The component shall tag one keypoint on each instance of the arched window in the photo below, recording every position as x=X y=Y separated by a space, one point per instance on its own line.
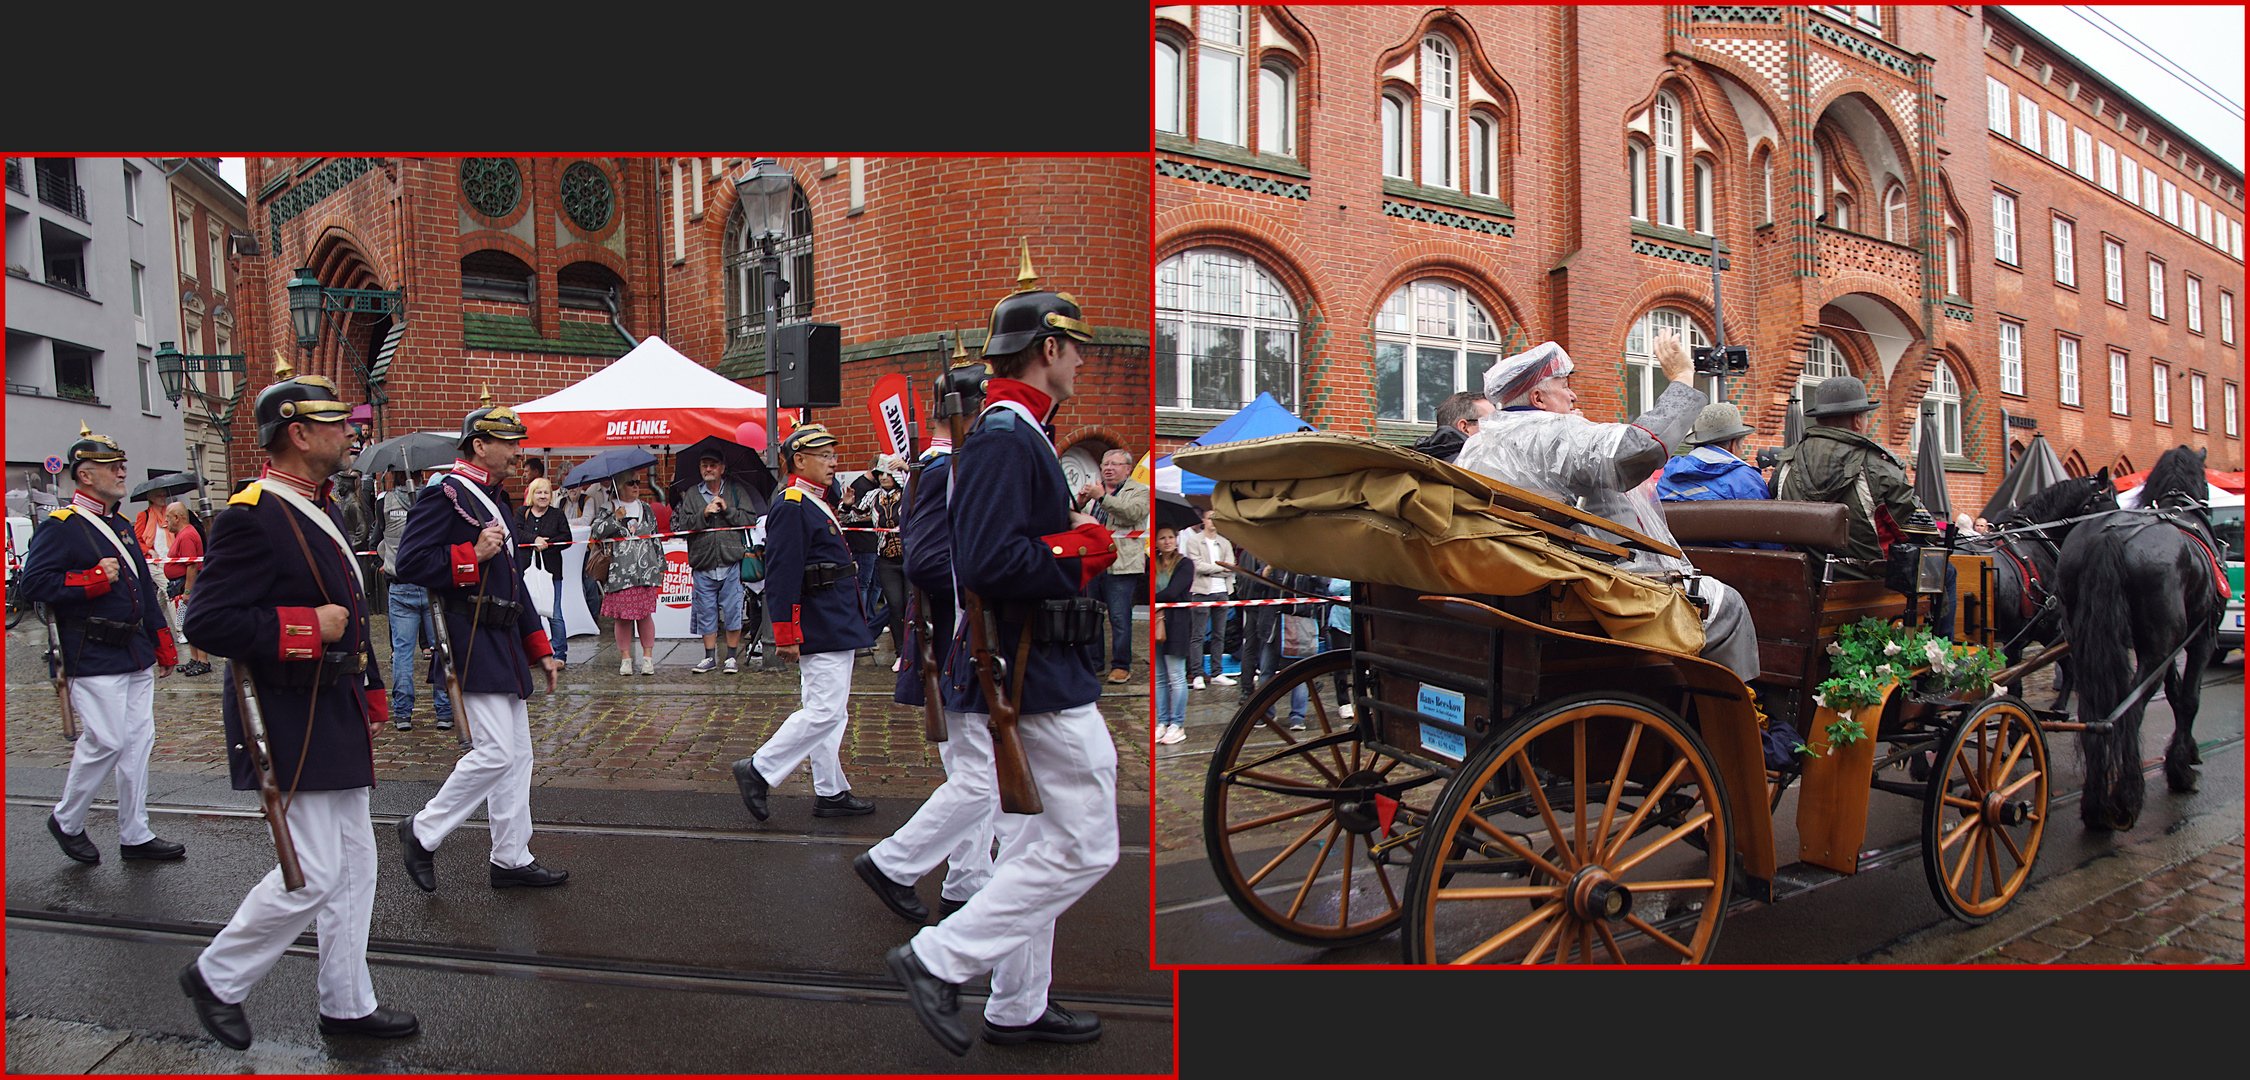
x=1765 y=181
x=1431 y=340
x=1484 y=155
x=1636 y=177
x=1894 y=214
x=1705 y=198
x=1823 y=360
x=1226 y=331
x=1277 y=109
x=1171 y=79
x=1439 y=89
x=1220 y=79
x=1944 y=399
x=746 y=316
x=1819 y=181
x=1394 y=136
x=1840 y=210
x=589 y=286
x=1665 y=131
x=1642 y=373
x=496 y=275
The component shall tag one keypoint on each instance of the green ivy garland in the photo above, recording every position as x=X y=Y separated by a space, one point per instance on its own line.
x=1871 y=655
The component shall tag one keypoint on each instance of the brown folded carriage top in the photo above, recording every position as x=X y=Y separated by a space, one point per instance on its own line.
x=1759 y=521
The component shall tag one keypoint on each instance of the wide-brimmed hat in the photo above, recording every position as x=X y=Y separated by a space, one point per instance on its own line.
x=1717 y=423
x=1838 y=395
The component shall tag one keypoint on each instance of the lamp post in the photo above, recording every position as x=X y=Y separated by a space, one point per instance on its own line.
x=765 y=192
x=304 y=309
x=172 y=368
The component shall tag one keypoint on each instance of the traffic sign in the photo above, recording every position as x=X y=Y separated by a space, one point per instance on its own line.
x=54 y=465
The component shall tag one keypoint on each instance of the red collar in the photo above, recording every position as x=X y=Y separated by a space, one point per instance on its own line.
x=470 y=472
x=89 y=504
x=316 y=492
x=1016 y=390
x=817 y=491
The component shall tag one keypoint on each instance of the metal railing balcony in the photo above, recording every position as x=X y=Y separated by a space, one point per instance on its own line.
x=62 y=193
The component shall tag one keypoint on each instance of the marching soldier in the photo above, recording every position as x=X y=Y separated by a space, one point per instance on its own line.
x=817 y=624
x=282 y=595
x=458 y=545
x=86 y=567
x=1018 y=546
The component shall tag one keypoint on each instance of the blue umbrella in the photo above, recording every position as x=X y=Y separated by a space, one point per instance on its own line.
x=609 y=463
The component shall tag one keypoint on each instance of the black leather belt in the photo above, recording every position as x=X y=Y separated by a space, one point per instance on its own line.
x=331 y=667
x=491 y=612
x=113 y=632
x=1069 y=620
x=821 y=575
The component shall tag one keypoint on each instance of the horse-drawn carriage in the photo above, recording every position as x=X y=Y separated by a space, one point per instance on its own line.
x=1521 y=759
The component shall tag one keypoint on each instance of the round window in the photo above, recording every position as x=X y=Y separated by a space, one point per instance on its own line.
x=586 y=196
x=491 y=185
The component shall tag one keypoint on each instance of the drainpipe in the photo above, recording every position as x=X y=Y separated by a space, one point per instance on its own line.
x=610 y=300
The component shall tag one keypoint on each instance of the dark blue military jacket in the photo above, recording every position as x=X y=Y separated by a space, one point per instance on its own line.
x=437 y=552
x=62 y=570
x=799 y=533
x=1009 y=497
x=929 y=567
x=253 y=603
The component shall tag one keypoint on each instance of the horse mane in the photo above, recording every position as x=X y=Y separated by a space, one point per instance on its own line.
x=2178 y=473
x=2061 y=499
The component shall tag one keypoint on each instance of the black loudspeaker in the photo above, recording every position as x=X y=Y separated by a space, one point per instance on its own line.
x=809 y=357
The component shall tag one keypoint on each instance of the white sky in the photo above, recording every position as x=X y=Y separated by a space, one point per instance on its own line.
x=2206 y=41
x=230 y=169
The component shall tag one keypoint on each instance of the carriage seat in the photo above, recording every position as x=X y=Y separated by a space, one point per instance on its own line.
x=1818 y=526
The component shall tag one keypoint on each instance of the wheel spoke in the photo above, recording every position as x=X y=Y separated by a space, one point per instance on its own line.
x=1274 y=819
x=1548 y=938
x=2014 y=852
x=1344 y=898
x=1282 y=730
x=1658 y=936
x=1585 y=944
x=1992 y=857
x=1286 y=852
x=1326 y=846
x=2009 y=765
x=1503 y=892
x=1968 y=825
x=1516 y=848
x=1383 y=875
x=1544 y=912
x=1610 y=941
x=1578 y=786
x=1278 y=782
x=2018 y=785
x=1958 y=801
x=1968 y=774
x=1617 y=788
x=1677 y=885
x=1546 y=812
x=1686 y=827
x=1654 y=796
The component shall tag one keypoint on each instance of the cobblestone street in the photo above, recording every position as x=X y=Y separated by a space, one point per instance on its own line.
x=674 y=731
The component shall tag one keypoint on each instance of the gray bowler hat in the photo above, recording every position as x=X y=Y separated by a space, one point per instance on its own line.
x=1717 y=423
x=1839 y=394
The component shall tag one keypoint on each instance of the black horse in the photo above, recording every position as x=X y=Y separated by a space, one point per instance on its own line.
x=2142 y=584
x=2025 y=605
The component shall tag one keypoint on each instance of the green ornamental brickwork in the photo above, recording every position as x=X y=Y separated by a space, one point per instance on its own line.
x=1261 y=185
x=305 y=196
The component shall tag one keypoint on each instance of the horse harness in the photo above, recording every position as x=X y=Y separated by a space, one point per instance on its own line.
x=2188 y=517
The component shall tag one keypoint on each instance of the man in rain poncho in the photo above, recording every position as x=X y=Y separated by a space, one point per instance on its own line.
x=1540 y=442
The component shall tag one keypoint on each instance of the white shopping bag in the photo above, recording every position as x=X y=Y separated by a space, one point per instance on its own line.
x=541 y=584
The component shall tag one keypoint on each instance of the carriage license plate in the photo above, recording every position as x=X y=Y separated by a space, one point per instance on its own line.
x=1445 y=705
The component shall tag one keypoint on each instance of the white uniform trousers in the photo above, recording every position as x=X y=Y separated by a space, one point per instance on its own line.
x=497 y=772
x=816 y=729
x=955 y=823
x=1047 y=861
x=336 y=850
x=116 y=729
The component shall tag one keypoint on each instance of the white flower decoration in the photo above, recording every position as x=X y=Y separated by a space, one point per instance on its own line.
x=1882 y=669
x=1835 y=649
x=1892 y=649
x=1820 y=700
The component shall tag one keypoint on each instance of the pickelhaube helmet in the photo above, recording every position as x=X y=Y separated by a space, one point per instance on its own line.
x=806 y=437
x=1025 y=316
x=303 y=397
x=960 y=391
x=492 y=422
x=91 y=447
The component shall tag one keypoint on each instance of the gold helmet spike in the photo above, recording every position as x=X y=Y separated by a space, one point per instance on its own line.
x=84 y=432
x=281 y=369
x=486 y=398
x=1027 y=279
x=960 y=355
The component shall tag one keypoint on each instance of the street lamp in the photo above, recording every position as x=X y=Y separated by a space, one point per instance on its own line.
x=172 y=368
x=765 y=193
x=304 y=307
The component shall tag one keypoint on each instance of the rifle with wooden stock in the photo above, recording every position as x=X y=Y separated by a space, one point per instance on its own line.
x=925 y=643
x=55 y=674
x=260 y=748
x=1019 y=794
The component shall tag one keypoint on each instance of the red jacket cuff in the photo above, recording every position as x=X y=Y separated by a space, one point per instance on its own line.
x=786 y=633
x=167 y=654
x=93 y=581
x=464 y=564
x=1091 y=544
x=378 y=706
x=300 y=634
x=537 y=645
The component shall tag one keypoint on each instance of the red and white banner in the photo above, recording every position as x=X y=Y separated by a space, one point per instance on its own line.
x=679 y=581
x=891 y=405
x=650 y=396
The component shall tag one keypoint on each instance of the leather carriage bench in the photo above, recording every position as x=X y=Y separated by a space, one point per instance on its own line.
x=1821 y=526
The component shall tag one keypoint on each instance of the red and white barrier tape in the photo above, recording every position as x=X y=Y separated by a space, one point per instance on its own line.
x=1252 y=603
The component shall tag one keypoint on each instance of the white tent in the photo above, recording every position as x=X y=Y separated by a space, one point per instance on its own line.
x=651 y=396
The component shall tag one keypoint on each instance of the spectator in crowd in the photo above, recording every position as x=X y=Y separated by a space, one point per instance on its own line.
x=1213 y=582
x=1170 y=577
x=409 y=608
x=1338 y=629
x=1457 y=418
x=636 y=572
x=544 y=529
x=855 y=511
x=713 y=514
x=1121 y=503
x=1713 y=467
x=887 y=502
x=1260 y=653
x=186 y=545
x=149 y=525
x=579 y=506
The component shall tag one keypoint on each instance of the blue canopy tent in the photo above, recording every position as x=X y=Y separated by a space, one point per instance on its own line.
x=1260 y=418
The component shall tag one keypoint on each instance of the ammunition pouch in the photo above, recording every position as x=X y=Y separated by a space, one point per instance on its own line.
x=821 y=575
x=332 y=667
x=112 y=632
x=1071 y=620
x=491 y=612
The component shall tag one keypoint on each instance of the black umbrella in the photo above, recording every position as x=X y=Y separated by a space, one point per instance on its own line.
x=1172 y=509
x=409 y=453
x=167 y=484
x=1929 y=471
x=1793 y=426
x=744 y=467
x=608 y=463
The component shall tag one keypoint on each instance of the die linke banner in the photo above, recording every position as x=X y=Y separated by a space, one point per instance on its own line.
x=891 y=404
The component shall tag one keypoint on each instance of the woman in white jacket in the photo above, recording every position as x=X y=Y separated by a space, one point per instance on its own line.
x=1212 y=582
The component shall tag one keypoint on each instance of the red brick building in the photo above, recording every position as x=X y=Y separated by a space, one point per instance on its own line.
x=207 y=213
x=1359 y=208
x=527 y=274
x=2139 y=350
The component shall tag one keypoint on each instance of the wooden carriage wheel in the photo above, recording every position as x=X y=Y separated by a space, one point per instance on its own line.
x=1986 y=810
x=1292 y=831
x=1631 y=804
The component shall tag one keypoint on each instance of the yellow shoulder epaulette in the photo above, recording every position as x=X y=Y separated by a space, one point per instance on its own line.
x=61 y=512
x=794 y=495
x=248 y=496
